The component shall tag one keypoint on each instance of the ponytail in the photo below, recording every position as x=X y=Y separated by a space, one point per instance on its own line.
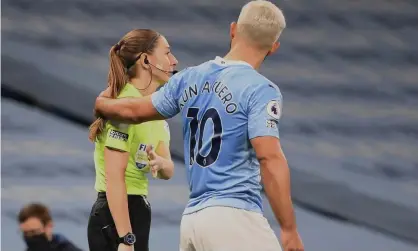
x=116 y=81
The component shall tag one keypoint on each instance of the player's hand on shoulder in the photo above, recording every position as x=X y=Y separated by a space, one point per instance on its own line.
x=156 y=162
x=291 y=240
x=106 y=93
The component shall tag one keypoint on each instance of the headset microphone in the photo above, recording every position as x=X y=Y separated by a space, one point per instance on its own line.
x=147 y=62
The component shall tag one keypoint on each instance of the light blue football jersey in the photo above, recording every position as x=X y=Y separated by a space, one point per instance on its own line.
x=223 y=104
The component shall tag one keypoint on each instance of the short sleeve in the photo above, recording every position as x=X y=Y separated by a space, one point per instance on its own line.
x=119 y=136
x=264 y=111
x=165 y=100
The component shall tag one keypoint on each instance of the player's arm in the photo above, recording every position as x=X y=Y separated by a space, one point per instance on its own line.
x=264 y=112
x=275 y=176
x=160 y=105
x=116 y=157
x=127 y=110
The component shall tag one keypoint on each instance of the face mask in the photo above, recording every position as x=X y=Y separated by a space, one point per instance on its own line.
x=37 y=242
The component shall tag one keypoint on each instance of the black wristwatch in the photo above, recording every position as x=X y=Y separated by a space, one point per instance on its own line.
x=129 y=239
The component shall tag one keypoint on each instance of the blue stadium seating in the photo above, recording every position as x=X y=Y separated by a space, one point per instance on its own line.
x=347 y=70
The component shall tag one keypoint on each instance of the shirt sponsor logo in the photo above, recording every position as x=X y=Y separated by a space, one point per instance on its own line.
x=118 y=135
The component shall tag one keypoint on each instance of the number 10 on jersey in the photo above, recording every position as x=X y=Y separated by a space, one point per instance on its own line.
x=216 y=139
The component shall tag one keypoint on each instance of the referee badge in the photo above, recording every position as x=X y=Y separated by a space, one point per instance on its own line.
x=141 y=158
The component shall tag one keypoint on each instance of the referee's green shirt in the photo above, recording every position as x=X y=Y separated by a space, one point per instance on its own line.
x=133 y=139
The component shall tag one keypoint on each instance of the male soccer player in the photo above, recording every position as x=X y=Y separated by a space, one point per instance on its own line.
x=231 y=118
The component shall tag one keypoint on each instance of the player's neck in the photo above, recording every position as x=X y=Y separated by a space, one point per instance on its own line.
x=144 y=86
x=246 y=53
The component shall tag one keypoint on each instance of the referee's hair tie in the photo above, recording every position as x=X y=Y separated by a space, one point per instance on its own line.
x=119 y=45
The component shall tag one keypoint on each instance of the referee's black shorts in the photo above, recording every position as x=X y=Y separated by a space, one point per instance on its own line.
x=101 y=231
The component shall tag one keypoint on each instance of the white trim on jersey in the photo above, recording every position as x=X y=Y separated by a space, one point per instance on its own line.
x=220 y=61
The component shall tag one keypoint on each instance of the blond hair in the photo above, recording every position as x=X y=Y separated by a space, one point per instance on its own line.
x=260 y=23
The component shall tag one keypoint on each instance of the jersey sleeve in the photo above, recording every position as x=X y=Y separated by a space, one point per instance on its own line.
x=264 y=111
x=165 y=100
x=119 y=136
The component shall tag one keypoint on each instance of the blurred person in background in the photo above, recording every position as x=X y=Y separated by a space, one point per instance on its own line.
x=120 y=218
x=231 y=117
x=37 y=228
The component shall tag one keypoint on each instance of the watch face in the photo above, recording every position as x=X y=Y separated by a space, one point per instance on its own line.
x=130 y=239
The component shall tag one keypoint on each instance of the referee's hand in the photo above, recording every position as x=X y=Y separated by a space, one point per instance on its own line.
x=123 y=247
x=156 y=162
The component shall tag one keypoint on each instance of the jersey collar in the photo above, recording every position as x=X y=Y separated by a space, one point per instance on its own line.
x=222 y=61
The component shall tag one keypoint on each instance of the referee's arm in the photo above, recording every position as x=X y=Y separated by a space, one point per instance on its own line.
x=116 y=162
x=116 y=158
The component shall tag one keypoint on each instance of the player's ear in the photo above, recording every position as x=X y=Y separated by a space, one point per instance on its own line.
x=274 y=47
x=233 y=30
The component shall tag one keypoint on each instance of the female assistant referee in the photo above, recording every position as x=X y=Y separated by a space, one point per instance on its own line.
x=120 y=218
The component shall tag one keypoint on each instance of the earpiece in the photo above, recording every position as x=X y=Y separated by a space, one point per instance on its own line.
x=147 y=62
